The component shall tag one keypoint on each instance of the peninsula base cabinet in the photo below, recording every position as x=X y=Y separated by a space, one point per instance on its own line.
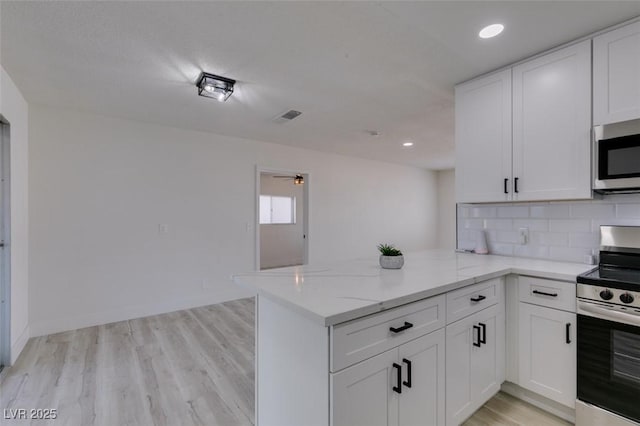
x=475 y=362
x=404 y=386
x=548 y=352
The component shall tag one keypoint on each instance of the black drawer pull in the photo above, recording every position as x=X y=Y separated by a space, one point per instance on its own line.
x=505 y=185
x=407 y=383
x=483 y=339
x=478 y=299
x=545 y=294
x=568 y=333
x=477 y=342
x=398 y=388
x=406 y=326
x=515 y=185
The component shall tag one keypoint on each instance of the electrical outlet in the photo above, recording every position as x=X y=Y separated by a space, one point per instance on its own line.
x=523 y=236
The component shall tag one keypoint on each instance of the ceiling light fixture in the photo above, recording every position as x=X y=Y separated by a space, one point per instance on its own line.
x=491 y=30
x=407 y=144
x=214 y=86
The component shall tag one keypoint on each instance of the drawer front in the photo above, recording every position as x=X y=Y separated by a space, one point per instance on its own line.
x=473 y=298
x=549 y=293
x=356 y=340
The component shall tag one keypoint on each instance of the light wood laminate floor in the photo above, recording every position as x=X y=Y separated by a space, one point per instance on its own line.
x=192 y=367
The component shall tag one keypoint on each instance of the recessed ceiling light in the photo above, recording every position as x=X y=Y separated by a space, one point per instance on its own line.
x=491 y=31
x=407 y=144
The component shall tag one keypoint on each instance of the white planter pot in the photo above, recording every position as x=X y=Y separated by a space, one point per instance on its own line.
x=391 y=262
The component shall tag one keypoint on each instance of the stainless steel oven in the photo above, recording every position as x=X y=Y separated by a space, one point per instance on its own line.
x=617 y=164
x=608 y=336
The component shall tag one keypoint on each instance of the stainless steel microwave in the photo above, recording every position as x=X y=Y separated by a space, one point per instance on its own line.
x=617 y=165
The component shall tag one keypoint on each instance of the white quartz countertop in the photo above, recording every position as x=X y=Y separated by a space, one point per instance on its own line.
x=341 y=292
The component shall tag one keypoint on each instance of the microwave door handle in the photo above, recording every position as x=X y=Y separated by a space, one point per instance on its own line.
x=609 y=314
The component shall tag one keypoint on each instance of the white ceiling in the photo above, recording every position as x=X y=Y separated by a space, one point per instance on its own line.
x=348 y=66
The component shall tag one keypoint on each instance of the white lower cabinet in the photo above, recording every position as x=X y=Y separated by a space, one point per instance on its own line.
x=548 y=352
x=404 y=386
x=475 y=362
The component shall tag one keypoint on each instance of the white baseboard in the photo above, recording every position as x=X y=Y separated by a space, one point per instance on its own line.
x=540 y=401
x=18 y=345
x=42 y=328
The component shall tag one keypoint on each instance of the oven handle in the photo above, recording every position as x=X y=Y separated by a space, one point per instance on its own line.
x=607 y=313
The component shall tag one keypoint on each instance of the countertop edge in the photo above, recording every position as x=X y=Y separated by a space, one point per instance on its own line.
x=342 y=317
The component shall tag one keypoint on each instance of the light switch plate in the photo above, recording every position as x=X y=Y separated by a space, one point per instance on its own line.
x=523 y=236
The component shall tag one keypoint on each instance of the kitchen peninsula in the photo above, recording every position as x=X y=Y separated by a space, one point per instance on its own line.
x=352 y=343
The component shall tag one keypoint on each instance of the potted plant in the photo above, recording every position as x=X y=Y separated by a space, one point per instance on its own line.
x=390 y=256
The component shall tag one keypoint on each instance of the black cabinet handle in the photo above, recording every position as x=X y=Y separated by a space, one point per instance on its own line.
x=406 y=326
x=408 y=382
x=398 y=368
x=478 y=342
x=515 y=185
x=544 y=293
x=568 y=333
x=483 y=339
x=506 y=191
x=478 y=299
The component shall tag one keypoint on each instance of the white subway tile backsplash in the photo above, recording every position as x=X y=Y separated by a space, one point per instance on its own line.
x=549 y=239
x=628 y=211
x=584 y=239
x=559 y=230
x=506 y=236
x=513 y=211
x=551 y=211
x=482 y=212
x=532 y=224
x=569 y=254
x=501 y=249
x=593 y=211
x=569 y=225
x=473 y=223
x=539 y=252
x=498 y=223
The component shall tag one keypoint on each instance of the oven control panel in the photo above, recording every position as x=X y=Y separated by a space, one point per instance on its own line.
x=609 y=295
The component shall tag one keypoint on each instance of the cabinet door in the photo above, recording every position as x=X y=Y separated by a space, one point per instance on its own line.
x=474 y=373
x=483 y=139
x=487 y=364
x=460 y=350
x=548 y=352
x=552 y=125
x=616 y=75
x=362 y=394
x=423 y=402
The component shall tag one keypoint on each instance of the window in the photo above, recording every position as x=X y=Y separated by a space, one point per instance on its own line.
x=277 y=210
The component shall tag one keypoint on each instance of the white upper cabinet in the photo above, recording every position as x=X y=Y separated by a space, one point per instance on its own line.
x=616 y=75
x=552 y=125
x=483 y=139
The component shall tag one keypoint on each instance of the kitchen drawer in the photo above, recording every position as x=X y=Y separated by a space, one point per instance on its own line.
x=473 y=298
x=362 y=338
x=549 y=293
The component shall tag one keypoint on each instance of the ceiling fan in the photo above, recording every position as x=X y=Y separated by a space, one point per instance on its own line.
x=297 y=179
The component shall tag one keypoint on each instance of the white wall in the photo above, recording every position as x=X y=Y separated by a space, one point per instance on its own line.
x=13 y=108
x=446 y=181
x=99 y=188
x=282 y=244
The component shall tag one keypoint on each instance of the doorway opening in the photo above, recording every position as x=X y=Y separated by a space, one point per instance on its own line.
x=5 y=273
x=281 y=218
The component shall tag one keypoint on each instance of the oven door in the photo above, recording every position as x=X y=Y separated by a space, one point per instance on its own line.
x=609 y=358
x=618 y=164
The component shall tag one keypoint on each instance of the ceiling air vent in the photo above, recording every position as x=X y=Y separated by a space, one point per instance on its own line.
x=287 y=116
